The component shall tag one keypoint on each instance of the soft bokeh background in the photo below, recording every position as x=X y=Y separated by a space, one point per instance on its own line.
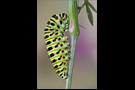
x=85 y=64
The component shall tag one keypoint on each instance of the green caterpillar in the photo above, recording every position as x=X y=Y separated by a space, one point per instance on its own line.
x=57 y=43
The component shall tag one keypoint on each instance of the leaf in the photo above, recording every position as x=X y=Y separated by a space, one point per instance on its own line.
x=79 y=8
x=89 y=13
x=81 y=26
x=92 y=7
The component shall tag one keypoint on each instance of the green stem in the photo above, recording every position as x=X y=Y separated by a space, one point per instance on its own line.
x=71 y=62
x=74 y=32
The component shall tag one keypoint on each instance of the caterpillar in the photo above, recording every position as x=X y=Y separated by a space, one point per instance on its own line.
x=57 y=43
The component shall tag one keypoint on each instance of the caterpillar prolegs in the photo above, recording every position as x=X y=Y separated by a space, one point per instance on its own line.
x=57 y=43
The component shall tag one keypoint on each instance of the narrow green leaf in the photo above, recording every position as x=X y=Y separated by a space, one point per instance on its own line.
x=81 y=26
x=80 y=7
x=89 y=13
x=92 y=7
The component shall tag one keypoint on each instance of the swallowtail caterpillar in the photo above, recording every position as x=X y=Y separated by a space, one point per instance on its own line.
x=57 y=43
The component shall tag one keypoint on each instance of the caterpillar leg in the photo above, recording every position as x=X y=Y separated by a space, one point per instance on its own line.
x=62 y=71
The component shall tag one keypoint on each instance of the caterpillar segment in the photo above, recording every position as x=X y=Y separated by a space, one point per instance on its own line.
x=47 y=29
x=55 y=40
x=50 y=35
x=58 y=53
x=59 y=59
x=61 y=19
x=57 y=46
x=57 y=43
x=61 y=69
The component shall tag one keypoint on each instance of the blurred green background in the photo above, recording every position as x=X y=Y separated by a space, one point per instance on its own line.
x=85 y=64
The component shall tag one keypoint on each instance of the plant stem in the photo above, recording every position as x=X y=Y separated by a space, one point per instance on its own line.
x=74 y=32
x=71 y=62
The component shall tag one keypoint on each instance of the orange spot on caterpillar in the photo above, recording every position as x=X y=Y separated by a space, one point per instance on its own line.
x=52 y=46
x=57 y=38
x=48 y=34
x=50 y=22
x=64 y=17
x=58 y=65
x=59 y=19
x=63 y=63
x=61 y=50
x=60 y=44
x=49 y=55
x=64 y=68
x=48 y=28
x=59 y=70
x=52 y=61
x=51 y=41
x=46 y=44
x=54 y=33
x=55 y=29
x=47 y=49
x=56 y=24
x=56 y=59
x=62 y=57
x=54 y=53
